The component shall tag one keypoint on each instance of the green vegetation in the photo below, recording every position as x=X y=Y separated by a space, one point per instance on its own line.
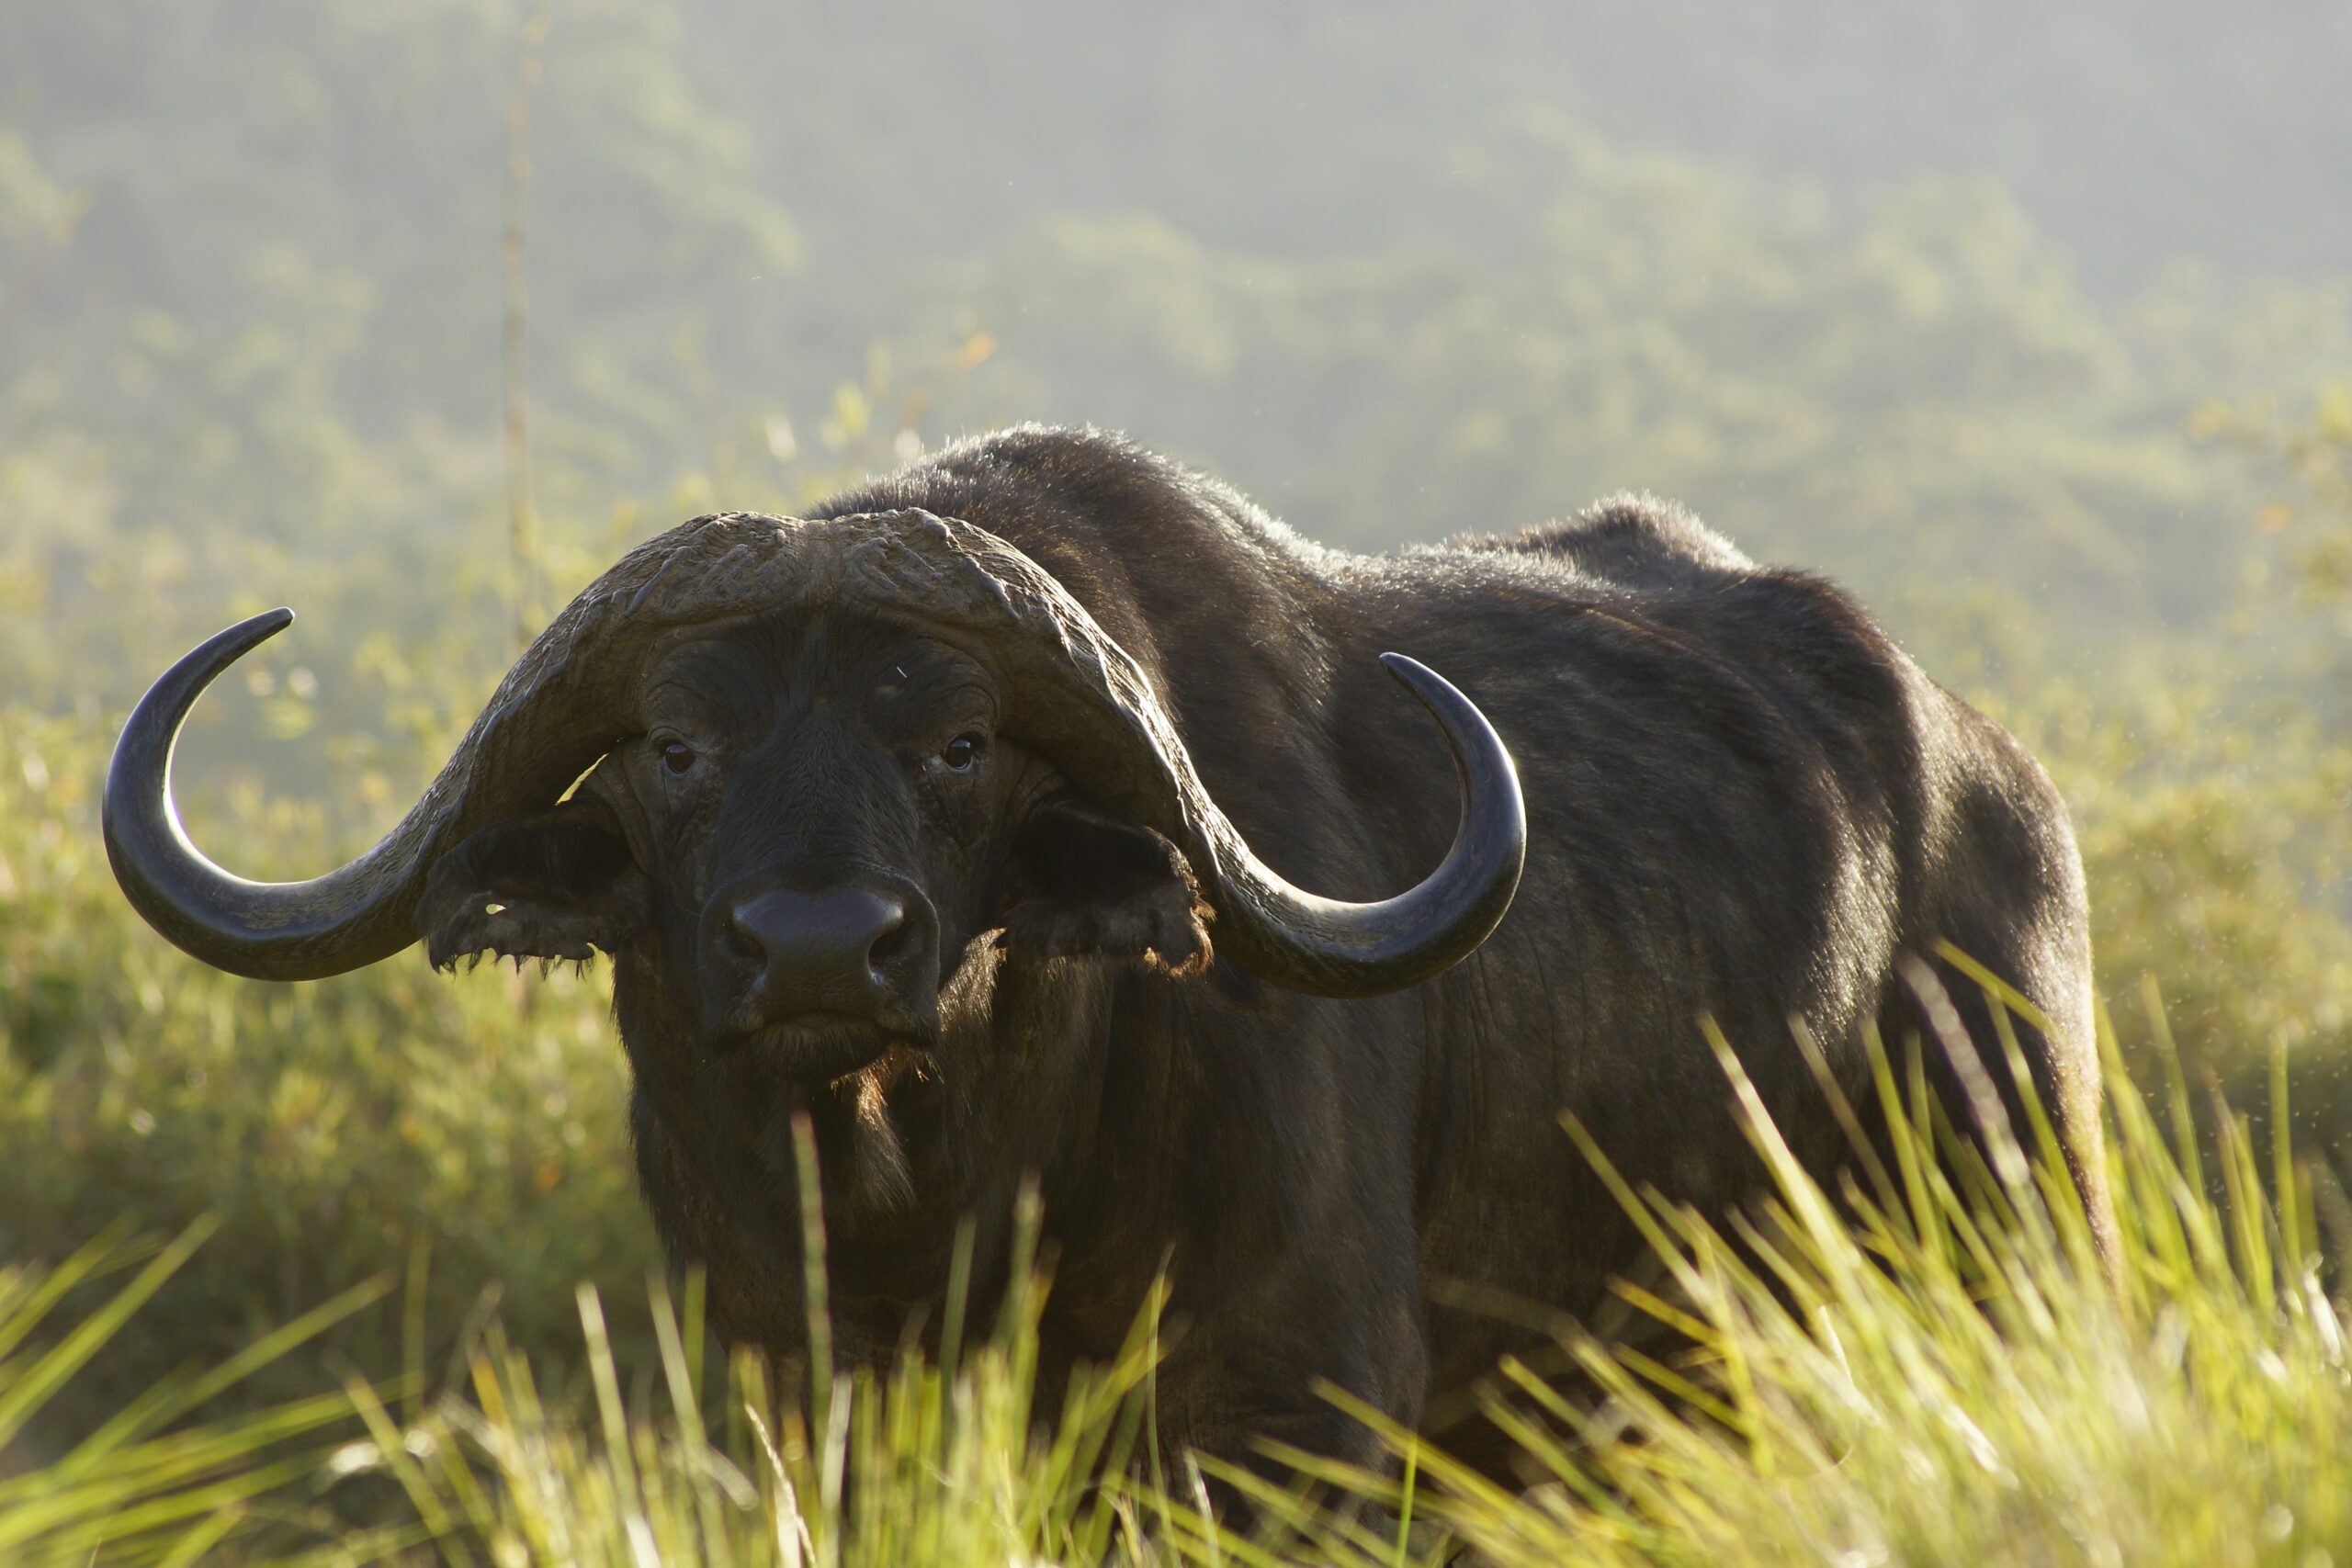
x=465 y=1135
x=144 y=1485
x=1955 y=1379
x=250 y=354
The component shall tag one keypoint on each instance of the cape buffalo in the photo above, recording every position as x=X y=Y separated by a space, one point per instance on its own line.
x=1038 y=815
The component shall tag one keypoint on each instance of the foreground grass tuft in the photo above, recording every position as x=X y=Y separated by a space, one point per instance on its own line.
x=1933 y=1366
x=1954 y=1379
x=147 y=1486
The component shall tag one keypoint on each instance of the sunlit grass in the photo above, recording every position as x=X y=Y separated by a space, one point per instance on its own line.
x=1937 y=1369
x=928 y=1464
x=467 y=1135
x=146 y=1486
x=1933 y=1365
x=1931 y=1368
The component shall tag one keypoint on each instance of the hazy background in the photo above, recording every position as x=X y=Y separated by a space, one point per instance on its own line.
x=2031 y=323
x=1909 y=293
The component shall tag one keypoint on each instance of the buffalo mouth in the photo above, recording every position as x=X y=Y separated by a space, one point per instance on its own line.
x=815 y=1048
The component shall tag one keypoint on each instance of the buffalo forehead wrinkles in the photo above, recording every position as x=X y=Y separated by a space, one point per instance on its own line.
x=759 y=671
x=814 y=804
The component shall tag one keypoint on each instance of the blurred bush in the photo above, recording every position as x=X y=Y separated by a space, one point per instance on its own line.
x=466 y=1136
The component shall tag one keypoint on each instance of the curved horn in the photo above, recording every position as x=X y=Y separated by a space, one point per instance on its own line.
x=1333 y=949
x=249 y=928
x=361 y=911
x=557 y=710
x=1085 y=699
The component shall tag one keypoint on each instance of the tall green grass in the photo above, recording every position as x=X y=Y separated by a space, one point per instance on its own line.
x=147 y=1485
x=927 y=1465
x=1934 y=1365
x=466 y=1136
x=1931 y=1368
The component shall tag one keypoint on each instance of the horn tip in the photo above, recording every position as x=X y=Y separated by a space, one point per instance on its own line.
x=251 y=633
x=1414 y=675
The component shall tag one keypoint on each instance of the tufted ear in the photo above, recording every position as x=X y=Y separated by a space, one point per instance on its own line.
x=1085 y=881
x=558 y=884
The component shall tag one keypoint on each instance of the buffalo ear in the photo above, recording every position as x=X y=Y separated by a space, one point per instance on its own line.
x=558 y=884
x=1087 y=882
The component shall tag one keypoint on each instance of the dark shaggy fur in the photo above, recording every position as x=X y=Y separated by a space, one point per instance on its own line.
x=1744 y=801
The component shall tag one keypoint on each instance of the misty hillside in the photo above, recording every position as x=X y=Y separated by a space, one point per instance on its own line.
x=2134 y=134
x=1912 y=296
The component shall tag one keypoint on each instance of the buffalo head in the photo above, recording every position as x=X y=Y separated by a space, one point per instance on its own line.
x=799 y=768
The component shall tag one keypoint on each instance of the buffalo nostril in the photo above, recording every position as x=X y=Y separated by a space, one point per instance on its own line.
x=893 y=942
x=740 y=941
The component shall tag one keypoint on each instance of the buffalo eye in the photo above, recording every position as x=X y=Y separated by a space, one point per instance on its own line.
x=961 y=752
x=678 y=758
